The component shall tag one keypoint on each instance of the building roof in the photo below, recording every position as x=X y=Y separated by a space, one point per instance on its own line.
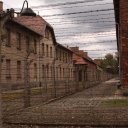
x=80 y=61
x=65 y=48
x=36 y=23
x=81 y=53
x=14 y=21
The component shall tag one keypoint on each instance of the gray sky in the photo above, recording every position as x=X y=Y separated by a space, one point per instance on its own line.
x=88 y=24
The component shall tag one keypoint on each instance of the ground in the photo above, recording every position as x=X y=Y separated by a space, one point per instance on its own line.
x=85 y=108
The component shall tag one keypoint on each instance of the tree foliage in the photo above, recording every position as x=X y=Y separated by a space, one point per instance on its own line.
x=110 y=63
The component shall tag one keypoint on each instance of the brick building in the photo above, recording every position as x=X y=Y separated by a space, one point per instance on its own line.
x=53 y=58
x=98 y=61
x=29 y=38
x=121 y=18
x=30 y=53
x=87 y=72
x=64 y=69
x=19 y=45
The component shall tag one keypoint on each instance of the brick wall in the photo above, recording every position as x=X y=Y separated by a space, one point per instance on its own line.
x=14 y=78
x=123 y=10
x=42 y=63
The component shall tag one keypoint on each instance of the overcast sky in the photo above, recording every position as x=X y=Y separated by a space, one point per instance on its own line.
x=88 y=24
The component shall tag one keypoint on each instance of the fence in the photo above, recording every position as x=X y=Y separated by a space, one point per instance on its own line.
x=22 y=88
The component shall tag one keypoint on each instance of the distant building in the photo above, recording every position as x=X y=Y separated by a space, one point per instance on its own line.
x=86 y=69
x=98 y=61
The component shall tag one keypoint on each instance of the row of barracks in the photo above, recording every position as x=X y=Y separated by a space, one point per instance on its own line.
x=30 y=54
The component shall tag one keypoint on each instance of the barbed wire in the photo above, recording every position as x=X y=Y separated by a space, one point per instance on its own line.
x=51 y=7
x=73 y=13
x=65 y=3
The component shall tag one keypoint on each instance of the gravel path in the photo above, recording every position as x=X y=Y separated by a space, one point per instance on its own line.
x=83 y=108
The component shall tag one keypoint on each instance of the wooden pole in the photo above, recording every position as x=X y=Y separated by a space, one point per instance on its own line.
x=27 y=90
x=0 y=76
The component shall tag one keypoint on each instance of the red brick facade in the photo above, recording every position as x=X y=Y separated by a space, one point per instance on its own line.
x=121 y=16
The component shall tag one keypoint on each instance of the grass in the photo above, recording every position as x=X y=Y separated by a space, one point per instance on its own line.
x=115 y=103
x=12 y=96
x=20 y=93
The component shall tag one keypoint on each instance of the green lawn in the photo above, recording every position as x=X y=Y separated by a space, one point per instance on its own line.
x=115 y=103
x=20 y=94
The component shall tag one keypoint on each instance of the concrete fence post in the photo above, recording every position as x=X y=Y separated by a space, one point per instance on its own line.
x=27 y=89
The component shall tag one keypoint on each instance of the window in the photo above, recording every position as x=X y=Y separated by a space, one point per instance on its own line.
x=18 y=41
x=63 y=56
x=27 y=44
x=35 y=70
x=74 y=75
x=47 y=72
x=47 y=50
x=43 y=71
x=8 y=69
x=80 y=75
x=71 y=74
x=47 y=33
x=8 y=38
x=56 y=53
x=42 y=49
x=60 y=54
x=35 y=46
x=63 y=73
x=51 y=52
x=56 y=72
x=51 y=72
x=66 y=57
x=60 y=73
x=18 y=69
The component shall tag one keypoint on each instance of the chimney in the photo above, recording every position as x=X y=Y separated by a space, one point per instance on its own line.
x=1 y=6
x=86 y=54
x=81 y=53
x=74 y=49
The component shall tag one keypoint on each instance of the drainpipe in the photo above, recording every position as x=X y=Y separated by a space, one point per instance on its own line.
x=120 y=52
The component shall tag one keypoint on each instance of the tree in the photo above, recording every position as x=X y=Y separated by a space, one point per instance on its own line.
x=110 y=63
